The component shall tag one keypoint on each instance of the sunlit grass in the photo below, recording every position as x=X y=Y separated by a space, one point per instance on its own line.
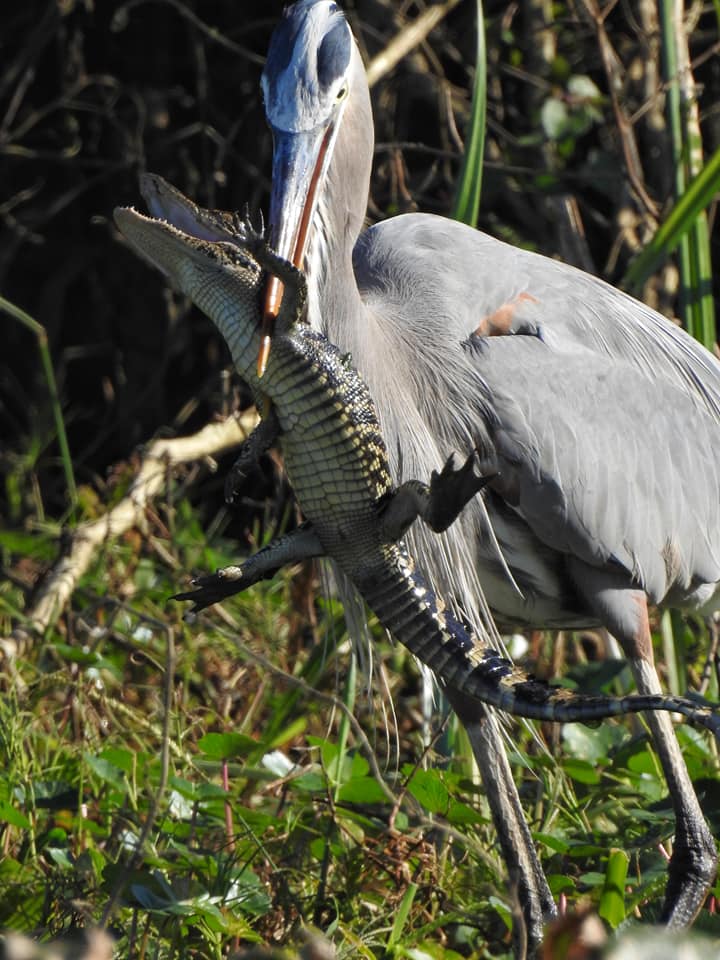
x=271 y=809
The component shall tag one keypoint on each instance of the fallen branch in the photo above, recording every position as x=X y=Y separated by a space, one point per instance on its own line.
x=409 y=37
x=87 y=538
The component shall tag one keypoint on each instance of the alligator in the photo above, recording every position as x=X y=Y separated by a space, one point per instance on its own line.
x=321 y=412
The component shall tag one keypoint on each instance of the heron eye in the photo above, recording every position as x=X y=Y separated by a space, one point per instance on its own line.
x=341 y=94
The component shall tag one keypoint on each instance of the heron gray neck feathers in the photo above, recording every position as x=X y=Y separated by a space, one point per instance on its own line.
x=337 y=308
x=334 y=301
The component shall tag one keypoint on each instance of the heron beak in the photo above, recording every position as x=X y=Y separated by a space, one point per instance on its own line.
x=299 y=163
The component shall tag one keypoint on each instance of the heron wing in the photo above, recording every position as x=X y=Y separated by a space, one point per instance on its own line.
x=427 y=264
x=604 y=465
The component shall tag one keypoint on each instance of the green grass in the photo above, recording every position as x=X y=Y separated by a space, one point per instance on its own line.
x=201 y=785
x=40 y=334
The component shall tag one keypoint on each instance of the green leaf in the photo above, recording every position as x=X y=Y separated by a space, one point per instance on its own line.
x=560 y=883
x=462 y=814
x=60 y=857
x=14 y=817
x=554 y=118
x=311 y=783
x=108 y=772
x=226 y=746
x=125 y=760
x=362 y=790
x=503 y=910
x=77 y=655
x=429 y=790
x=581 y=771
x=581 y=86
x=593 y=746
x=557 y=844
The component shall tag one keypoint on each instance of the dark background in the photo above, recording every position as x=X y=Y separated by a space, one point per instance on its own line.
x=92 y=93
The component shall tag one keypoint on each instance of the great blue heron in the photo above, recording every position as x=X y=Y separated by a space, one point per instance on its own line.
x=603 y=413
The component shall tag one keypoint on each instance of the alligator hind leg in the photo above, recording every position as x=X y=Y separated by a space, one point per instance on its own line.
x=440 y=501
x=453 y=487
x=300 y=544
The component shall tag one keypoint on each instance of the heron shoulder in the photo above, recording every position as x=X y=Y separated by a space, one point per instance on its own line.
x=430 y=267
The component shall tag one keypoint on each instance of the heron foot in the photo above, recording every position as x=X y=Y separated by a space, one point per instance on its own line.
x=691 y=873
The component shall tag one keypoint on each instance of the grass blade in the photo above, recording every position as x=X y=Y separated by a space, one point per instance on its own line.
x=401 y=916
x=612 y=899
x=696 y=197
x=42 y=341
x=683 y=121
x=467 y=198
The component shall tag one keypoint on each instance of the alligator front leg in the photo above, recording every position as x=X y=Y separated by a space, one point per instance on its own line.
x=440 y=502
x=300 y=544
x=293 y=279
x=258 y=443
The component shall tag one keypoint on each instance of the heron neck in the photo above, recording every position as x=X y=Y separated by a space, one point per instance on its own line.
x=334 y=302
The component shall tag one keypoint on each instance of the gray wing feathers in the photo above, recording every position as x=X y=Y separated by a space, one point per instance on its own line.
x=591 y=472
x=572 y=310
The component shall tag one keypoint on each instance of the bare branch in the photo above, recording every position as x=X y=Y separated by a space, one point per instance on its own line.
x=87 y=538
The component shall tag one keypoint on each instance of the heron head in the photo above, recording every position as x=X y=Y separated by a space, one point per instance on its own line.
x=306 y=86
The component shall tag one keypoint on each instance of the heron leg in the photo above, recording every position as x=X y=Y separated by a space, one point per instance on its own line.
x=526 y=875
x=693 y=865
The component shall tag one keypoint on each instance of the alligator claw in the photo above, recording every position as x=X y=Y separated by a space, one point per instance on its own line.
x=453 y=487
x=215 y=587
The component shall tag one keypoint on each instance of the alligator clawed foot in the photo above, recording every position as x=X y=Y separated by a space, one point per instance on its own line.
x=454 y=486
x=250 y=236
x=233 y=483
x=215 y=587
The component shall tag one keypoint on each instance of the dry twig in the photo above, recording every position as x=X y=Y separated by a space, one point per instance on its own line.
x=407 y=39
x=87 y=538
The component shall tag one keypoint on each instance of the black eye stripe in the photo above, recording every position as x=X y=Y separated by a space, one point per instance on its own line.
x=333 y=54
x=282 y=45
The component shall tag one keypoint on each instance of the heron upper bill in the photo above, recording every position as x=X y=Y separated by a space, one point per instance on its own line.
x=299 y=163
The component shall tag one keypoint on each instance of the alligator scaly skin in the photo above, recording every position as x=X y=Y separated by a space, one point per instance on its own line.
x=336 y=459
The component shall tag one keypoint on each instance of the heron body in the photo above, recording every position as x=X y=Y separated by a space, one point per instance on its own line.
x=603 y=415
x=586 y=406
